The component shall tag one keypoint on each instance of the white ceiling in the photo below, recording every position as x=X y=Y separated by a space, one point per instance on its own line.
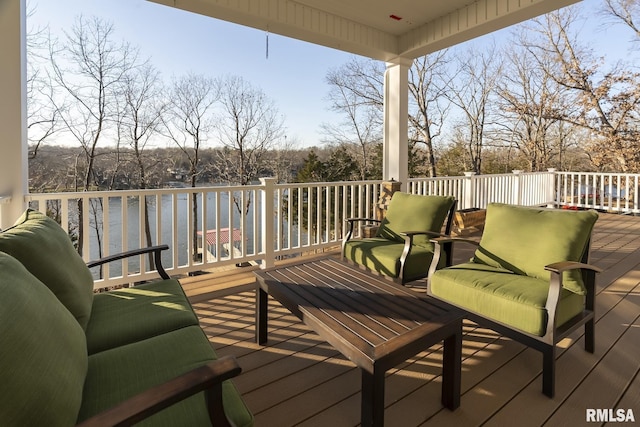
x=382 y=29
x=383 y=14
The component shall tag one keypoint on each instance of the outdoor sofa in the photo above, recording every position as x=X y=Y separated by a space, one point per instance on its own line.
x=69 y=355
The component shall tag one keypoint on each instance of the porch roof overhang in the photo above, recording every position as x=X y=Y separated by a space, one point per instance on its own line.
x=379 y=29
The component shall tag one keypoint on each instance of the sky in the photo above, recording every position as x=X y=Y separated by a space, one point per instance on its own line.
x=293 y=75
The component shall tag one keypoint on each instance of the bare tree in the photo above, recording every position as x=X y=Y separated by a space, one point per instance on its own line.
x=140 y=123
x=356 y=92
x=609 y=99
x=249 y=126
x=471 y=90
x=626 y=12
x=189 y=123
x=88 y=69
x=42 y=117
x=428 y=81
x=531 y=109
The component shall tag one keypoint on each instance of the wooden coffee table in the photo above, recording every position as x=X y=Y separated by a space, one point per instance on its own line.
x=376 y=323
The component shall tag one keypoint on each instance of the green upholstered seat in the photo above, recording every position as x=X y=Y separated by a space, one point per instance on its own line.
x=154 y=308
x=45 y=249
x=383 y=256
x=527 y=278
x=513 y=299
x=405 y=213
x=119 y=373
x=43 y=360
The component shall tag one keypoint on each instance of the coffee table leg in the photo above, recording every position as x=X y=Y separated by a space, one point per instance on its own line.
x=261 y=315
x=372 y=404
x=451 y=369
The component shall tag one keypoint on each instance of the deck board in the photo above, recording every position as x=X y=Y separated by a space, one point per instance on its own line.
x=297 y=379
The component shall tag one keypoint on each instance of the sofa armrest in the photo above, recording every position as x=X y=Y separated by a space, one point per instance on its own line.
x=205 y=378
x=156 y=250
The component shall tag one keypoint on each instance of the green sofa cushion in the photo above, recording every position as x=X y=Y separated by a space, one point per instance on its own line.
x=154 y=308
x=525 y=240
x=39 y=243
x=151 y=362
x=383 y=256
x=43 y=361
x=411 y=212
x=516 y=300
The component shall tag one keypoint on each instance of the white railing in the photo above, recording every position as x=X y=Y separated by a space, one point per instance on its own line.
x=614 y=192
x=229 y=225
x=233 y=225
x=477 y=191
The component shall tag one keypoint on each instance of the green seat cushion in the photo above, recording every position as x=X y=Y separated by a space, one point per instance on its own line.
x=525 y=240
x=45 y=249
x=498 y=294
x=383 y=256
x=152 y=309
x=411 y=212
x=117 y=374
x=43 y=361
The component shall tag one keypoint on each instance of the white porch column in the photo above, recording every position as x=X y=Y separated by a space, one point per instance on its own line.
x=396 y=118
x=13 y=111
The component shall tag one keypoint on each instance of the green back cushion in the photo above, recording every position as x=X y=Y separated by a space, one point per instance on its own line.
x=44 y=357
x=524 y=240
x=45 y=249
x=411 y=212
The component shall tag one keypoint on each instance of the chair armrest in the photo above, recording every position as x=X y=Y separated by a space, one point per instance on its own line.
x=560 y=267
x=448 y=239
x=208 y=377
x=438 y=244
x=408 y=243
x=555 y=286
x=350 y=222
x=423 y=233
x=156 y=250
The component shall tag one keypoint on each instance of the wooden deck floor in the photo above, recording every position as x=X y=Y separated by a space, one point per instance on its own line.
x=297 y=379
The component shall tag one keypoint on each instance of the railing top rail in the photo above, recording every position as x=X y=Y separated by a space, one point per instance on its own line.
x=332 y=183
x=146 y=192
x=600 y=174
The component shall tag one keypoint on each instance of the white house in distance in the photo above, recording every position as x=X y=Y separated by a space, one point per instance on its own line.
x=392 y=31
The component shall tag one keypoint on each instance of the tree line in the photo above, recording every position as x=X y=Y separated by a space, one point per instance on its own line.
x=545 y=99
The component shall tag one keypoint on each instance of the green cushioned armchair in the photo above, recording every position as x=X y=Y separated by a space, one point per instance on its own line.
x=529 y=278
x=401 y=249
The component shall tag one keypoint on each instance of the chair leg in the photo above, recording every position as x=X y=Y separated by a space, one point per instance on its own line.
x=590 y=336
x=549 y=371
